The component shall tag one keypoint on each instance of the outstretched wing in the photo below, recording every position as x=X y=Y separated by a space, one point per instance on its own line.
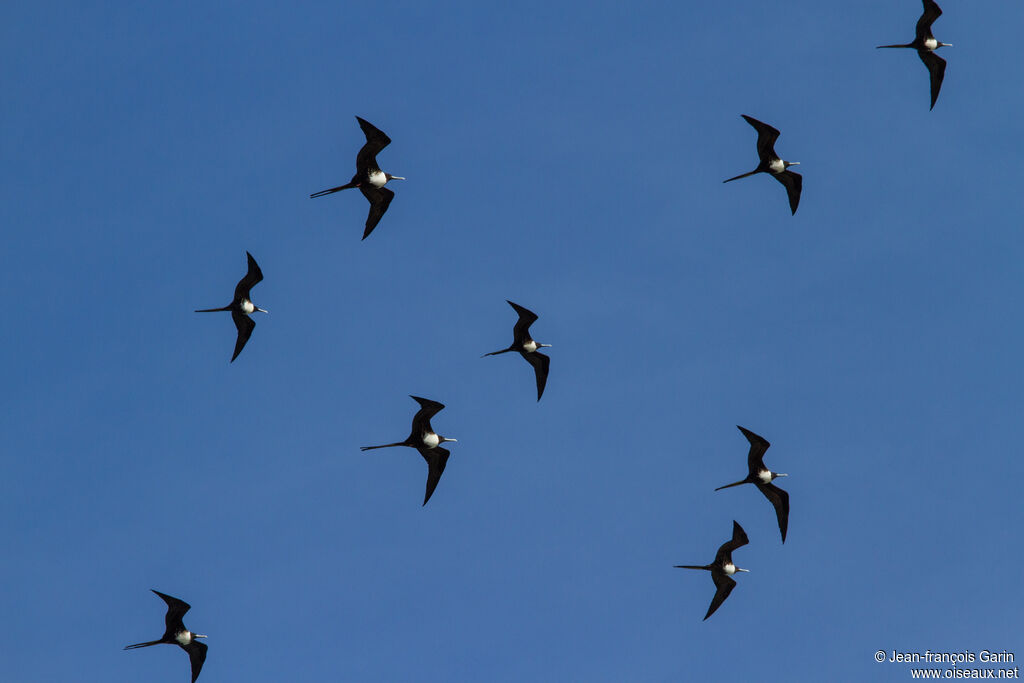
x=758 y=446
x=421 y=420
x=540 y=364
x=526 y=318
x=252 y=277
x=376 y=140
x=936 y=71
x=724 y=584
x=379 y=198
x=175 y=611
x=739 y=538
x=924 y=24
x=196 y=656
x=794 y=184
x=245 y=325
x=436 y=459
x=780 y=500
x=766 y=137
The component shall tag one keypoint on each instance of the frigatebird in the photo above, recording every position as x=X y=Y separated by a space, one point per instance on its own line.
x=722 y=568
x=369 y=178
x=771 y=163
x=925 y=44
x=424 y=439
x=242 y=306
x=762 y=477
x=527 y=347
x=176 y=634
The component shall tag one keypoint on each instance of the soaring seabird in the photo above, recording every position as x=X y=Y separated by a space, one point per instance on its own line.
x=762 y=477
x=722 y=568
x=242 y=306
x=527 y=347
x=369 y=178
x=925 y=44
x=424 y=439
x=176 y=634
x=771 y=163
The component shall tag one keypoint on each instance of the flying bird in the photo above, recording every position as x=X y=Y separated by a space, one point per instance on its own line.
x=722 y=568
x=242 y=306
x=771 y=163
x=176 y=634
x=424 y=439
x=527 y=347
x=925 y=44
x=369 y=178
x=761 y=477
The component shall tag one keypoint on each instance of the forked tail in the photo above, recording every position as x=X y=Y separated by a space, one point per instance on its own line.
x=321 y=193
x=740 y=176
x=138 y=645
x=212 y=310
x=737 y=483
x=691 y=566
x=495 y=353
x=387 y=445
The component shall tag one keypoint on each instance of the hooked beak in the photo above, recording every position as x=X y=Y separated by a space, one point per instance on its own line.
x=742 y=570
x=780 y=474
x=262 y=310
x=544 y=346
x=197 y=635
x=794 y=163
x=397 y=177
x=444 y=438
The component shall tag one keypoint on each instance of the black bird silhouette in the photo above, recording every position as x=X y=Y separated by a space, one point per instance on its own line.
x=527 y=347
x=176 y=634
x=925 y=44
x=242 y=306
x=722 y=568
x=424 y=439
x=771 y=163
x=369 y=178
x=761 y=477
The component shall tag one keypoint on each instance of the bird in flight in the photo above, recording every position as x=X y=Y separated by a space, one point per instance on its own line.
x=722 y=568
x=369 y=178
x=926 y=45
x=175 y=633
x=771 y=163
x=527 y=347
x=242 y=306
x=762 y=477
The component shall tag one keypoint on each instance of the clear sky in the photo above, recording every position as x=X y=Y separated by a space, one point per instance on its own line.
x=567 y=156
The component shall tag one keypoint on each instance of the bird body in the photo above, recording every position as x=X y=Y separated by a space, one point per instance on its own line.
x=926 y=45
x=722 y=568
x=175 y=633
x=424 y=439
x=369 y=178
x=770 y=162
x=762 y=477
x=524 y=344
x=241 y=307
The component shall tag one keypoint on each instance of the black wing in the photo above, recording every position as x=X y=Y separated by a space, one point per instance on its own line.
x=924 y=24
x=254 y=276
x=739 y=538
x=725 y=586
x=196 y=655
x=376 y=140
x=758 y=446
x=766 y=137
x=936 y=71
x=540 y=364
x=526 y=318
x=436 y=459
x=379 y=198
x=245 y=324
x=794 y=183
x=421 y=419
x=780 y=500
x=175 y=612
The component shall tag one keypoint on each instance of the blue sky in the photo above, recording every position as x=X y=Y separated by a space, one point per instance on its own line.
x=569 y=157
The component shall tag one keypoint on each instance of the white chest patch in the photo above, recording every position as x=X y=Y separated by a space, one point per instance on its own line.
x=377 y=178
x=430 y=440
x=248 y=307
x=184 y=638
x=765 y=476
x=777 y=166
x=931 y=43
x=729 y=569
x=530 y=346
